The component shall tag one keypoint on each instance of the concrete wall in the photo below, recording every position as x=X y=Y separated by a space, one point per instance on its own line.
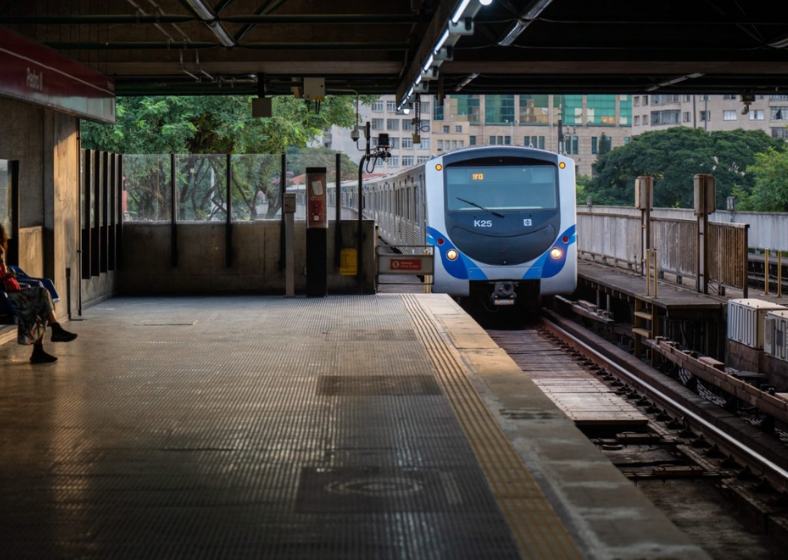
x=147 y=266
x=46 y=145
x=767 y=229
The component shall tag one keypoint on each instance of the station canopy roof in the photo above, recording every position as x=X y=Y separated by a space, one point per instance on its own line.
x=196 y=47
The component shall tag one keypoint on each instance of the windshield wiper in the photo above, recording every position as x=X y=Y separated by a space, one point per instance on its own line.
x=493 y=212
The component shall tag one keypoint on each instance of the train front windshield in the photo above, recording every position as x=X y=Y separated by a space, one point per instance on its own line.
x=522 y=187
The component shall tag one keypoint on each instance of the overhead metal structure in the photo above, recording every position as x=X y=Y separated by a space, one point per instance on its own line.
x=207 y=47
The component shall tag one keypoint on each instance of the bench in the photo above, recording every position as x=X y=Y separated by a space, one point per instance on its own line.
x=25 y=280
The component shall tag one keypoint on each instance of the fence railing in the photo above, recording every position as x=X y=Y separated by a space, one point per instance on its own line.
x=616 y=237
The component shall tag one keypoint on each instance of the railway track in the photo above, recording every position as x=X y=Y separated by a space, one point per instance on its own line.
x=654 y=428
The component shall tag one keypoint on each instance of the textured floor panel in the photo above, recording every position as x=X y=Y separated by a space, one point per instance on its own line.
x=199 y=428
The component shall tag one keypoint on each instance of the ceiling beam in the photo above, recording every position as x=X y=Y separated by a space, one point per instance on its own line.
x=256 y=19
x=281 y=46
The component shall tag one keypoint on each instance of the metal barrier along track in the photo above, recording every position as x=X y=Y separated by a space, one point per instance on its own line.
x=774 y=473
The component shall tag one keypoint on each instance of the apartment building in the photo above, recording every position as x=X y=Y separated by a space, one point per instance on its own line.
x=506 y=120
x=710 y=112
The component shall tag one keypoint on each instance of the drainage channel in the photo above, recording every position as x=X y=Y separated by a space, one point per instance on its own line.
x=717 y=489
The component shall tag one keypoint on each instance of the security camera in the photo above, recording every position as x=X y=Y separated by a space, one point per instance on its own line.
x=355 y=134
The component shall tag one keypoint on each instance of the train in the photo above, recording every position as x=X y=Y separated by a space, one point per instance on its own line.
x=501 y=221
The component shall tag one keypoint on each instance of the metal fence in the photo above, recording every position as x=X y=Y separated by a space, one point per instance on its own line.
x=615 y=236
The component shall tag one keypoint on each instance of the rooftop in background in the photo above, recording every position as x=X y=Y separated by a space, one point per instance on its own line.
x=570 y=46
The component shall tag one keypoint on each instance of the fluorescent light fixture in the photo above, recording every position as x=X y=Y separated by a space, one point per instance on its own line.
x=202 y=10
x=441 y=41
x=485 y=2
x=467 y=81
x=780 y=43
x=428 y=64
x=674 y=81
x=221 y=34
x=460 y=10
x=418 y=79
x=524 y=22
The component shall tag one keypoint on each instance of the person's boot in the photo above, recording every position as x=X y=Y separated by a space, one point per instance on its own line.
x=41 y=357
x=59 y=334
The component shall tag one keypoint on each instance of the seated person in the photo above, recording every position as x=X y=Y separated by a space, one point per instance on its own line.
x=34 y=310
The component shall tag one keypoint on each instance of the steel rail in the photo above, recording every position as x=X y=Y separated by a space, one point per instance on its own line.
x=672 y=403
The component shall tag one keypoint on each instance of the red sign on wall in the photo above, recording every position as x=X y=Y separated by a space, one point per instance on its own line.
x=406 y=264
x=36 y=74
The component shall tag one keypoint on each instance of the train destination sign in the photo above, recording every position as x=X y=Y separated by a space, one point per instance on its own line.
x=36 y=74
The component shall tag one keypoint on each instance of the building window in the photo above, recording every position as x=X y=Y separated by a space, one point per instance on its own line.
x=407 y=142
x=645 y=100
x=624 y=110
x=377 y=106
x=437 y=114
x=594 y=142
x=393 y=161
x=407 y=124
x=424 y=109
x=661 y=99
x=636 y=101
x=637 y=120
x=778 y=97
x=687 y=117
x=377 y=124
x=704 y=97
x=756 y=114
x=626 y=140
x=571 y=109
x=535 y=110
x=665 y=117
x=446 y=129
x=492 y=141
x=541 y=142
x=575 y=145
x=460 y=143
x=394 y=142
x=472 y=140
x=729 y=115
x=458 y=128
x=507 y=140
x=422 y=159
x=779 y=113
x=425 y=144
x=687 y=98
x=730 y=97
x=467 y=106
x=392 y=124
x=499 y=109
x=645 y=120
x=705 y=116
x=407 y=161
x=453 y=144
x=391 y=106
x=781 y=132
x=440 y=145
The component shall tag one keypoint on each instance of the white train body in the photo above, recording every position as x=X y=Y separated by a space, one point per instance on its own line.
x=506 y=214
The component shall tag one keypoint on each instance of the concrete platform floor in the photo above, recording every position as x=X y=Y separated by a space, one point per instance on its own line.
x=348 y=427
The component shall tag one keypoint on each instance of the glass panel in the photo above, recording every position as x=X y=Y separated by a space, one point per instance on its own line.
x=5 y=196
x=256 y=179
x=466 y=108
x=201 y=187
x=601 y=110
x=569 y=107
x=625 y=110
x=499 y=109
x=535 y=109
x=501 y=188
x=147 y=187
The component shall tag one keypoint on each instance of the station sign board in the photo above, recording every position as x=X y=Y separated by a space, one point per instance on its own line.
x=405 y=264
x=34 y=73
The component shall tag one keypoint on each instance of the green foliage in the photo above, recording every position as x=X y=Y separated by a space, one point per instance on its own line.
x=674 y=156
x=205 y=128
x=604 y=145
x=298 y=159
x=581 y=181
x=770 y=192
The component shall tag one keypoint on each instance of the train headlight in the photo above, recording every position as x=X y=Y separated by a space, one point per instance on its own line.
x=452 y=254
x=556 y=253
x=562 y=165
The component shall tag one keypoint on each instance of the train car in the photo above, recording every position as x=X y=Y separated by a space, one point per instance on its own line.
x=501 y=220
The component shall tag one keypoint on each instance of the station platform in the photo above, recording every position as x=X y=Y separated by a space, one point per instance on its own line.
x=386 y=426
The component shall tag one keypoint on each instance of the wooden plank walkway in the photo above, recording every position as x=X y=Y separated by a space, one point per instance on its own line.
x=584 y=399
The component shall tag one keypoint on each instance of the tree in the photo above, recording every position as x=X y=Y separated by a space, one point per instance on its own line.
x=298 y=159
x=674 y=156
x=202 y=128
x=580 y=188
x=770 y=192
x=604 y=145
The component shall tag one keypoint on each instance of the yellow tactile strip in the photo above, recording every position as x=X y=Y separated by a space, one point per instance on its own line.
x=538 y=531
